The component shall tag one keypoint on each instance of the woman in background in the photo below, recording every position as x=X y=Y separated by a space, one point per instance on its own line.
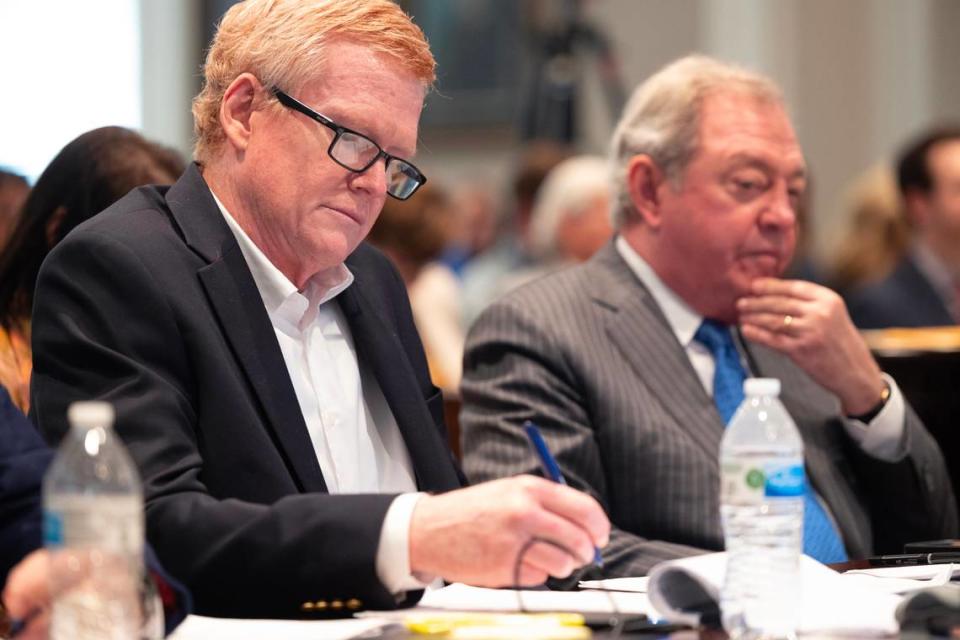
x=87 y=176
x=877 y=232
x=413 y=233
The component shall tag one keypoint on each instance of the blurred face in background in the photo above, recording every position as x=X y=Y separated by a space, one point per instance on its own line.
x=580 y=236
x=938 y=211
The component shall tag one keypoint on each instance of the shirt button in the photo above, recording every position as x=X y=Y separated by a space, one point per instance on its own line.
x=331 y=418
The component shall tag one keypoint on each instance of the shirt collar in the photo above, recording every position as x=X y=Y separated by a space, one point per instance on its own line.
x=283 y=301
x=935 y=271
x=683 y=320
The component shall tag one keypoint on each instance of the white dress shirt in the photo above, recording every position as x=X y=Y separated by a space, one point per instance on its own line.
x=353 y=431
x=882 y=438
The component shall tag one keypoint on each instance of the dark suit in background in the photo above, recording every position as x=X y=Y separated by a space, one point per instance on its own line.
x=905 y=298
x=24 y=458
x=152 y=307
x=588 y=355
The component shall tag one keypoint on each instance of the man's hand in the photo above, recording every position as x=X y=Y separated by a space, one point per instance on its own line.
x=45 y=576
x=809 y=323
x=474 y=535
x=28 y=594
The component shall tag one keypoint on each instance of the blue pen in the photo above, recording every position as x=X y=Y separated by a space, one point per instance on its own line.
x=17 y=626
x=550 y=468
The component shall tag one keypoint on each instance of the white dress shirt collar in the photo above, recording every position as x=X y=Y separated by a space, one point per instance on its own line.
x=681 y=317
x=284 y=302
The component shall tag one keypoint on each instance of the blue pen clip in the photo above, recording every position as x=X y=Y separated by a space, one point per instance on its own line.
x=550 y=468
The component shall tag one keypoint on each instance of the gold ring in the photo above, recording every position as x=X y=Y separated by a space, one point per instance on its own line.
x=787 y=320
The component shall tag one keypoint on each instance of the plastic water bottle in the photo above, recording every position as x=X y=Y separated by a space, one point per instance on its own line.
x=93 y=526
x=761 y=496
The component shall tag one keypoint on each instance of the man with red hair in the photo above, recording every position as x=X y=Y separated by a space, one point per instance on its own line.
x=263 y=362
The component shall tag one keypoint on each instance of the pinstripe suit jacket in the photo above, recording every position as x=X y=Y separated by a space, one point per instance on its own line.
x=588 y=355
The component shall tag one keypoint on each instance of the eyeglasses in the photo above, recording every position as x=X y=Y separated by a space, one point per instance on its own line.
x=357 y=152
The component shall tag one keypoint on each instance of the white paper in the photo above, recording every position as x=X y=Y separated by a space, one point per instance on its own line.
x=900 y=579
x=203 y=628
x=461 y=597
x=914 y=572
x=634 y=585
x=829 y=604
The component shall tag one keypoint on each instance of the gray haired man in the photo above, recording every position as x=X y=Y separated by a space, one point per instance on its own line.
x=631 y=363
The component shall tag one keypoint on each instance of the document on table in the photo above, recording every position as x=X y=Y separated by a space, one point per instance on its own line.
x=884 y=579
x=901 y=579
x=203 y=628
x=829 y=605
x=460 y=597
x=633 y=585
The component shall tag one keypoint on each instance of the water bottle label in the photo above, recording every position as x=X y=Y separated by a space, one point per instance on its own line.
x=750 y=481
x=785 y=481
x=52 y=529
x=114 y=523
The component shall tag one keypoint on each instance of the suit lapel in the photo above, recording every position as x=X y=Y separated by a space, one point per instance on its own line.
x=640 y=331
x=379 y=348
x=239 y=308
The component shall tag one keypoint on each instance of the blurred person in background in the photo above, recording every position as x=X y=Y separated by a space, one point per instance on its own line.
x=413 y=233
x=89 y=174
x=483 y=277
x=570 y=219
x=876 y=232
x=571 y=214
x=13 y=192
x=924 y=287
x=474 y=208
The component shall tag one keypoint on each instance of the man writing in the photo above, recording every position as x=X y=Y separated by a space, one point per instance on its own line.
x=633 y=363
x=265 y=369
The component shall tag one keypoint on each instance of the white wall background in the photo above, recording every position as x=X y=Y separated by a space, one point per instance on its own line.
x=67 y=67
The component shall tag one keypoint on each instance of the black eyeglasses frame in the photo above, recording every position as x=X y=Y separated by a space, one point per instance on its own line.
x=292 y=103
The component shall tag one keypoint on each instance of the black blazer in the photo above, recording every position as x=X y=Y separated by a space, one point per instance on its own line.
x=151 y=306
x=905 y=298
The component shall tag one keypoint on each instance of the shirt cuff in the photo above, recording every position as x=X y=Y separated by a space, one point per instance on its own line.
x=884 y=438
x=393 y=551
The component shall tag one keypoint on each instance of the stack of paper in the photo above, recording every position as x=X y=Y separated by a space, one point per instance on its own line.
x=830 y=604
x=460 y=597
x=902 y=579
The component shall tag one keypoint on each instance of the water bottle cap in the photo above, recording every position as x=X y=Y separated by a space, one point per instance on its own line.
x=90 y=414
x=761 y=387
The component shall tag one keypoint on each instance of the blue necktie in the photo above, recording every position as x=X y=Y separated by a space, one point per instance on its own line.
x=728 y=376
x=820 y=538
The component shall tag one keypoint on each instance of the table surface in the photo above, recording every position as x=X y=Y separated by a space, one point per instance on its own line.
x=398 y=633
